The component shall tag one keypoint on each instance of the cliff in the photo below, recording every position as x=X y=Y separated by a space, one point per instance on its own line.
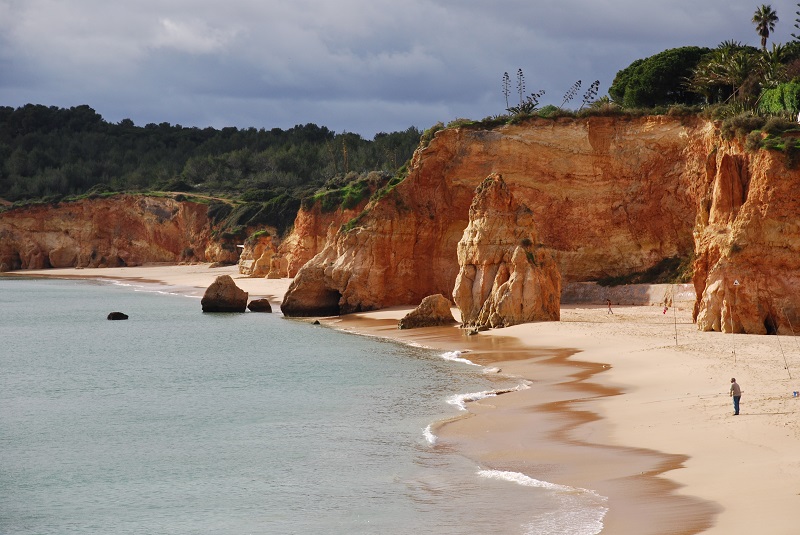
x=313 y=229
x=609 y=196
x=124 y=230
x=747 y=272
x=506 y=277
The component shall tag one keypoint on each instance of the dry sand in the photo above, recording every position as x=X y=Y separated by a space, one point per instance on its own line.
x=634 y=405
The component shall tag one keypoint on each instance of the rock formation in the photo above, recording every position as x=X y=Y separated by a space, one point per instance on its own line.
x=610 y=196
x=124 y=230
x=313 y=230
x=506 y=277
x=433 y=311
x=747 y=268
x=117 y=316
x=224 y=296
x=257 y=254
x=259 y=305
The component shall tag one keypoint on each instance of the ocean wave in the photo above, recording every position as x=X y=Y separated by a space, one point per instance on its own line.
x=152 y=288
x=429 y=436
x=582 y=512
x=461 y=400
x=525 y=481
x=455 y=356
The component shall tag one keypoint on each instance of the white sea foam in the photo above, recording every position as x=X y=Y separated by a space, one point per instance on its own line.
x=150 y=288
x=522 y=479
x=461 y=400
x=582 y=512
x=429 y=436
x=455 y=356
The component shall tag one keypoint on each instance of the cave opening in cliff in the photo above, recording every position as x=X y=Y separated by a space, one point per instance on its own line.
x=771 y=324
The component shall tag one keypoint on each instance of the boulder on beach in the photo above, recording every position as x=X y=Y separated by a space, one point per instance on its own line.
x=224 y=296
x=259 y=305
x=117 y=316
x=433 y=311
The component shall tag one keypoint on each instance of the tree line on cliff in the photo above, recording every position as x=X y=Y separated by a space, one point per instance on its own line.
x=47 y=153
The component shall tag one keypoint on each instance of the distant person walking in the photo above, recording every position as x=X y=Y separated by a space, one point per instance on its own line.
x=608 y=301
x=736 y=393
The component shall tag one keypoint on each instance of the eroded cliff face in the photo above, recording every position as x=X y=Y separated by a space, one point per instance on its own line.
x=747 y=270
x=506 y=277
x=609 y=196
x=312 y=231
x=125 y=230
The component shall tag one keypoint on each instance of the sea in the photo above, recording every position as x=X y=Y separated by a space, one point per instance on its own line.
x=180 y=422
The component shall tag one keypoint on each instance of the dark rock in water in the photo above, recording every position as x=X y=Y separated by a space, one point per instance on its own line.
x=316 y=322
x=259 y=305
x=224 y=296
x=117 y=316
x=433 y=311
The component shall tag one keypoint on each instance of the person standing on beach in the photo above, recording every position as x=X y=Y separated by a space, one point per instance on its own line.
x=736 y=393
x=609 y=306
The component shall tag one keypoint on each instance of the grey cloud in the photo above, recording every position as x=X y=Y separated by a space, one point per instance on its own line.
x=355 y=65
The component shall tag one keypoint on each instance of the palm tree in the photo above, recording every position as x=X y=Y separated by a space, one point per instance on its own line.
x=725 y=66
x=765 y=19
x=772 y=65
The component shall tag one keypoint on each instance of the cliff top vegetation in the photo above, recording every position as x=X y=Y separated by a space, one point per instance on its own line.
x=50 y=154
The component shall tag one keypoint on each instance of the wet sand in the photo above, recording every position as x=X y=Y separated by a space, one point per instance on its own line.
x=633 y=405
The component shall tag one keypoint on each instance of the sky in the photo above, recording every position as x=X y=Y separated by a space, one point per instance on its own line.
x=362 y=66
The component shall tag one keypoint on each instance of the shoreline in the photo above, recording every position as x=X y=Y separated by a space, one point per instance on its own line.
x=633 y=405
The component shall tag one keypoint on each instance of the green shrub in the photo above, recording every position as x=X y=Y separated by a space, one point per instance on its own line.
x=354 y=193
x=785 y=98
x=682 y=110
x=257 y=235
x=218 y=210
x=455 y=123
x=741 y=125
x=778 y=125
x=753 y=141
x=353 y=223
x=427 y=135
x=792 y=152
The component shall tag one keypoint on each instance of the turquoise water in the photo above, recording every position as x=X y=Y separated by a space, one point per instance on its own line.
x=180 y=422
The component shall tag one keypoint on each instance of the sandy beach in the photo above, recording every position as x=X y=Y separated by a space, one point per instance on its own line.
x=633 y=405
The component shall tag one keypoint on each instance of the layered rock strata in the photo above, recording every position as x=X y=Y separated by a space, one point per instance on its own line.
x=313 y=230
x=124 y=230
x=506 y=277
x=747 y=272
x=256 y=258
x=610 y=196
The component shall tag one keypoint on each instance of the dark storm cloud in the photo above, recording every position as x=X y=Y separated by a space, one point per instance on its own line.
x=355 y=65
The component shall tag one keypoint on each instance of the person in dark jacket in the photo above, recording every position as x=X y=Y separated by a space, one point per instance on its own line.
x=736 y=394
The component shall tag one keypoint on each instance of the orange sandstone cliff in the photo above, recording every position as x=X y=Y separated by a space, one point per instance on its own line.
x=747 y=272
x=609 y=196
x=124 y=230
x=506 y=277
